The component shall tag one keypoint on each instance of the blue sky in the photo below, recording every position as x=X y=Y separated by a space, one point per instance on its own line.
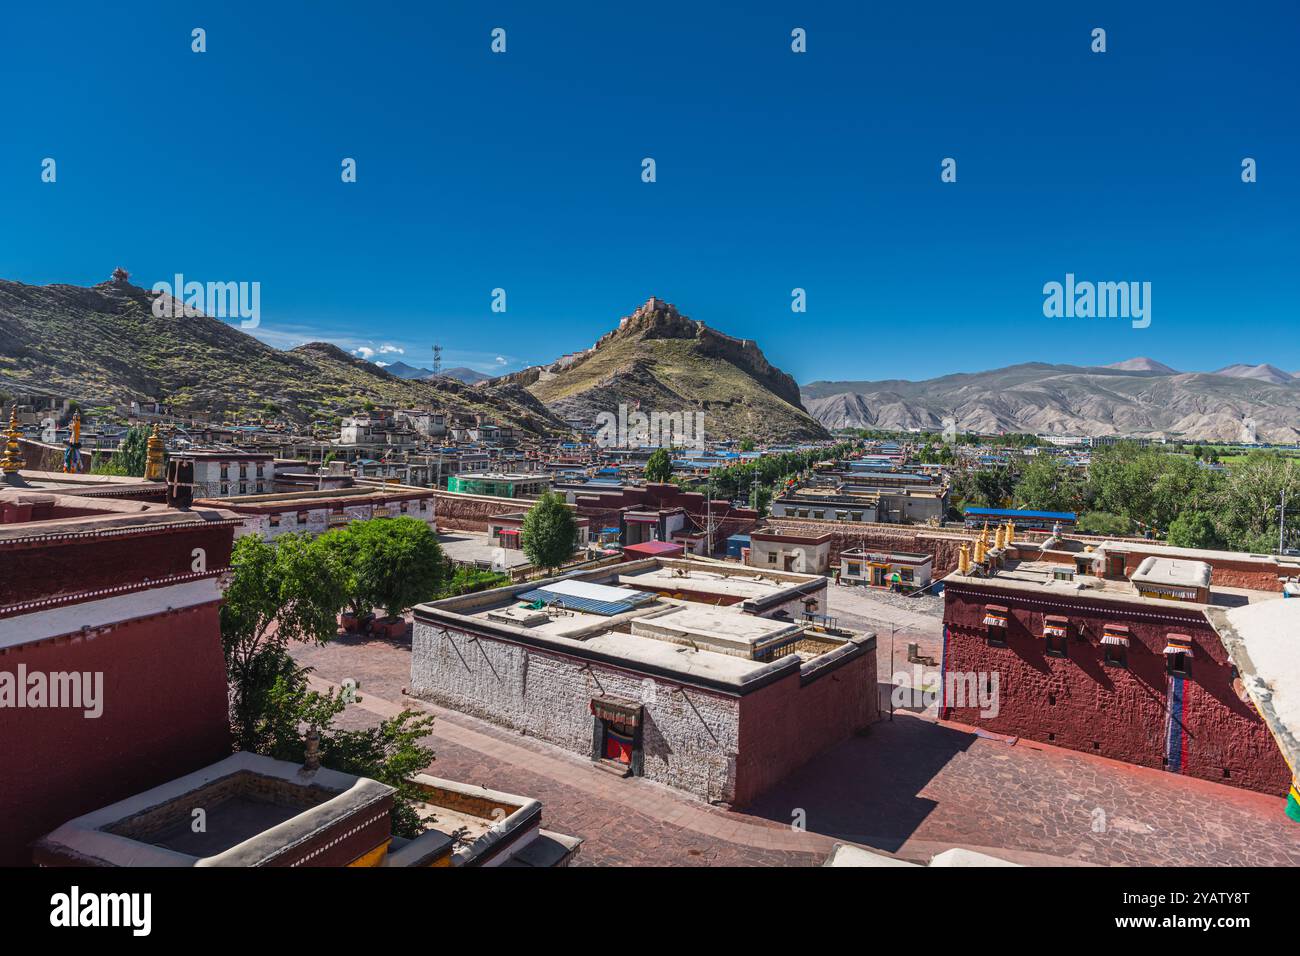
x=775 y=170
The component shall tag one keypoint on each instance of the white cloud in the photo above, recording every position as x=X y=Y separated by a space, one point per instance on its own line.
x=364 y=352
x=389 y=349
x=382 y=364
x=501 y=360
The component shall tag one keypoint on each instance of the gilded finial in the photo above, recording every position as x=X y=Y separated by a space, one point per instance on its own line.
x=154 y=469
x=13 y=456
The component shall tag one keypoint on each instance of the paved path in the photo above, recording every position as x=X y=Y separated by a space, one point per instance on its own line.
x=912 y=787
x=895 y=627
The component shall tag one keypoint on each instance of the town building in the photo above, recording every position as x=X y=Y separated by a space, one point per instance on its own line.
x=258 y=811
x=898 y=570
x=315 y=512
x=1023 y=519
x=220 y=473
x=712 y=679
x=111 y=669
x=1114 y=650
x=801 y=554
x=500 y=484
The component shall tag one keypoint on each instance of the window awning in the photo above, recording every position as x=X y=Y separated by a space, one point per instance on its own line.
x=1055 y=626
x=995 y=615
x=1178 y=644
x=1115 y=640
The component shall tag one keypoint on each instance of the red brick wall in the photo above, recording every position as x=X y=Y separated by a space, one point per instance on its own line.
x=785 y=725
x=164 y=715
x=1120 y=713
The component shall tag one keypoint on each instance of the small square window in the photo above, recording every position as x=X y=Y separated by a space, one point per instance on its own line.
x=1179 y=663
x=1057 y=645
x=1116 y=655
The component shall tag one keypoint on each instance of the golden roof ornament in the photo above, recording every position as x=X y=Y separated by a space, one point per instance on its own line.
x=13 y=456
x=154 y=469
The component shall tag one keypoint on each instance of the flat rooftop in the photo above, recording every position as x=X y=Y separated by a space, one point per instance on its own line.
x=660 y=613
x=467 y=547
x=1041 y=575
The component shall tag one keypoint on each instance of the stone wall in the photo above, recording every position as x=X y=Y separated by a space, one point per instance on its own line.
x=691 y=735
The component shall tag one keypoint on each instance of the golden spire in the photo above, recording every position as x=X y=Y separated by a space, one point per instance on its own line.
x=13 y=456
x=980 y=547
x=963 y=563
x=153 y=468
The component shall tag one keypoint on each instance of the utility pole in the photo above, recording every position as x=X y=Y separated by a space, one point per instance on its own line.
x=1281 y=524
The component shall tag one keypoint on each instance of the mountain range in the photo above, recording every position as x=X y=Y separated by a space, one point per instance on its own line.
x=104 y=346
x=1137 y=397
x=460 y=373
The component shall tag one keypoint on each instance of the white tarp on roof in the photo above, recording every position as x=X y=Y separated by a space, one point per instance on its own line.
x=592 y=592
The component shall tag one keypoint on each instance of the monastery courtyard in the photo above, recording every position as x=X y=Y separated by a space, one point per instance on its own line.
x=911 y=787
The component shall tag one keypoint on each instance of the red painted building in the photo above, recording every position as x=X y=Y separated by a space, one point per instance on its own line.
x=1101 y=665
x=111 y=669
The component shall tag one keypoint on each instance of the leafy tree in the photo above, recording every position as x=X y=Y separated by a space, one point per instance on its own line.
x=659 y=467
x=1046 y=486
x=1102 y=522
x=402 y=562
x=391 y=752
x=131 y=456
x=391 y=563
x=288 y=590
x=467 y=580
x=550 y=532
x=747 y=444
x=1248 y=507
x=1194 y=529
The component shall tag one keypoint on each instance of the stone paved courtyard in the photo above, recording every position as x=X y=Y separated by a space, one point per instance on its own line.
x=912 y=787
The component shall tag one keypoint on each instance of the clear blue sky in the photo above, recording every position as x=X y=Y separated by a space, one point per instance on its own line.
x=775 y=170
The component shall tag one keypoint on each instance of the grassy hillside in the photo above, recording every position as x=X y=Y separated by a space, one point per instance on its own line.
x=103 y=345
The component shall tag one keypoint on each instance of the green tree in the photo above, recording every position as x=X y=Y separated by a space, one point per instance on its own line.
x=467 y=580
x=402 y=563
x=550 y=532
x=390 y=563
x=1252 y=495
x=1103 y=522
x=131 y=455
x=391 y=752
x=1046 y=486
x=291 y=589
x=1194 y=529
x=659 y=466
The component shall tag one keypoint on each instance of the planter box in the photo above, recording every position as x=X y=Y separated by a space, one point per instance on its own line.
x=388 y=630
